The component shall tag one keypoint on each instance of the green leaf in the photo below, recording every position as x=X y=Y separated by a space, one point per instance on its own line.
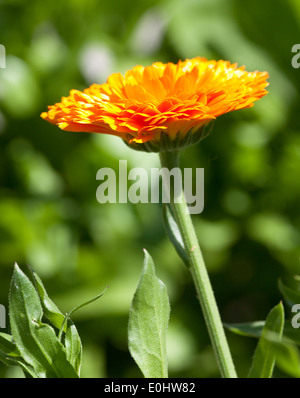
x=287 y=358
x=50 y=309
x=174 y=233
x=287 y=354
x=254 y=329
x=10 y=355
x=148 y=323
x=291 y=333
x=36 y=341
x=7 y=346
x=264 y=356
x=248 y=329
x=290 y=295
x=73 y=347
x=72 y=340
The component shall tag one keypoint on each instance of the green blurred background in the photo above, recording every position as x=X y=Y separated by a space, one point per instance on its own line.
x=49 y=215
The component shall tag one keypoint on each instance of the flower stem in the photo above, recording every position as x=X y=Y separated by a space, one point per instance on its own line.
x=199 y=273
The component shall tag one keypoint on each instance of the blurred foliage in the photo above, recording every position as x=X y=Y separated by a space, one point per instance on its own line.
x=49 y=216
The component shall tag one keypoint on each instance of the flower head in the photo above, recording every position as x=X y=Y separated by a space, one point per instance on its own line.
x=170 y=103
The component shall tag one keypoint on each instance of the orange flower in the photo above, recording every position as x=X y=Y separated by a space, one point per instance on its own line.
x=159 y=102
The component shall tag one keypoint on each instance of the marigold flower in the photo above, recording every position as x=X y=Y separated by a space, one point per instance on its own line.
x=160 y=103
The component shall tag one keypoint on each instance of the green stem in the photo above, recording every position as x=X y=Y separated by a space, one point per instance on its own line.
x=199 y=273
